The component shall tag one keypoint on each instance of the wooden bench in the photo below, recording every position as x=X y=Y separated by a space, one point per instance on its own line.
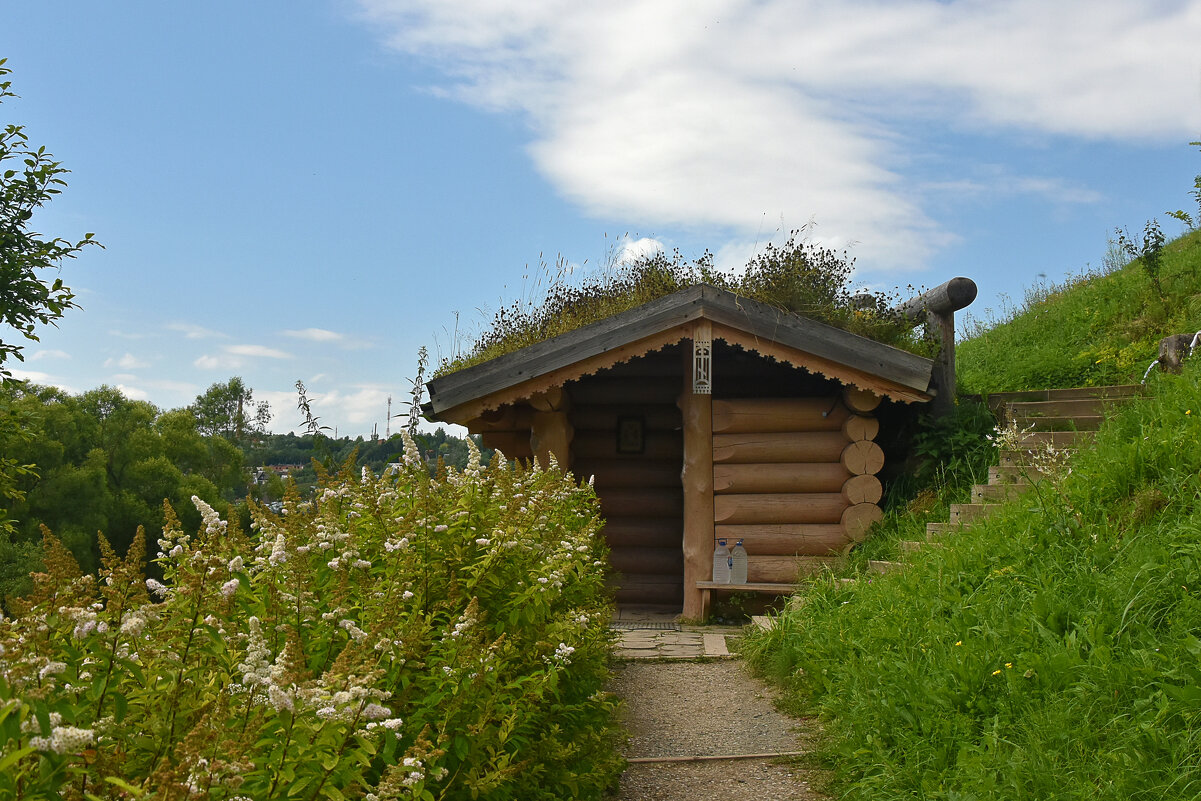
x=767 y=588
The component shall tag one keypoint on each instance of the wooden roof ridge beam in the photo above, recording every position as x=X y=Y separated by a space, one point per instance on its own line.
x=946 y=298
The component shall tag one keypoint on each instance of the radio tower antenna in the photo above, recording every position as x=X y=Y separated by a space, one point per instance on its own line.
x=388 y=425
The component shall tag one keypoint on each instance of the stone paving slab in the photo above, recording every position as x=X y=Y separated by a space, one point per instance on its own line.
x=692 y=642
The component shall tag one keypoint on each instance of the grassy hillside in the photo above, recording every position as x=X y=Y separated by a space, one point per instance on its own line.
x=1051 y=652
x=1093 y=330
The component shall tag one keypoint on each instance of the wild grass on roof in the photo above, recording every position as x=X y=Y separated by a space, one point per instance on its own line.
x=798 y=277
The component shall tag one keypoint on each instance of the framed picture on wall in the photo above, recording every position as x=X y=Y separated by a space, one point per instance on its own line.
x=631 y=436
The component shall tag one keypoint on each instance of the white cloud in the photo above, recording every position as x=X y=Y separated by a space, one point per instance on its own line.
x=257 y=351
x=719 y=112
x=634 y=250
x=133 y=392
x=324 y=335
x=178 y=387
x=220 y=361
x=995 y=181
x=353 y=412
x=49 y=353
x=127 y=362
x=196 y=331
x=235 y=357
x=32 y=375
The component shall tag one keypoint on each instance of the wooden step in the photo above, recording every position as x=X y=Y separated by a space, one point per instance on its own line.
x=913 y=546
x=967 y=512
x=1020 y=460
x=996 y=493
x=1080 y=407
x=997 y=399
x=942 y=529
x=1012 y=475
x=881 y=567
x=1084 y=422
x=1060 y=440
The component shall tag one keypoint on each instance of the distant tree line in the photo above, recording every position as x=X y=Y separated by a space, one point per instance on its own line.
x=102 y=462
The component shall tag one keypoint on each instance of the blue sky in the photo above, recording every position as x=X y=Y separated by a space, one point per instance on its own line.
x=315 y=190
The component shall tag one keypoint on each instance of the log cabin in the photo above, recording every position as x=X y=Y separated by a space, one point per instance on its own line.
x=705 y=415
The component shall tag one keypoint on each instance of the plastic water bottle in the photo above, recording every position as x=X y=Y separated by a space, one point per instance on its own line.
x=721 y=563
x=738 y=564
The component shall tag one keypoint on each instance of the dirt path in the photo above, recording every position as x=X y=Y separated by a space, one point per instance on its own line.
x=707 y=708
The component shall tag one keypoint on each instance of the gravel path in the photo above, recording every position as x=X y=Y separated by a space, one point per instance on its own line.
x=706 y=708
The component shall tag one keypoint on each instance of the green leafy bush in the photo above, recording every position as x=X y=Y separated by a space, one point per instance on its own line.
x=1052 y=652
x=394 y=637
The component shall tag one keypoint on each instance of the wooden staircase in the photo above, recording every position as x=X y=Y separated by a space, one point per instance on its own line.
x=1064 y=418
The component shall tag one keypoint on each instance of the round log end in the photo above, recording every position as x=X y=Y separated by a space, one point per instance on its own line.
x=858 y=427
x=862 y=489
x=863 y=458
x=960 y=293
x=857 y=519
x=860 y=400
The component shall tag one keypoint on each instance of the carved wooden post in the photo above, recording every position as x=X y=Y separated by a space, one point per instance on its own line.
x=697 y=473
x=550 y=430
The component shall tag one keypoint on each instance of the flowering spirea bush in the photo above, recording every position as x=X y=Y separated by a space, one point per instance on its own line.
x=393 y=637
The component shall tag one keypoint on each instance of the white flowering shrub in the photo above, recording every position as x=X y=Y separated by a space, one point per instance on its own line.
x=393 y=637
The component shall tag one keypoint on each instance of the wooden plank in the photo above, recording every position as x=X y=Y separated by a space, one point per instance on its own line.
x=644 y=532
x=757 y=415
x=787 y=539
x=665 y=561
x=634 y=502
x=862 y=489
x=662 y=417
x=658 y=445
x=612 y=473
x=697 y=479
x=787 y=569
x=863 y=458
x=804 y=446
x=801 y=507
x=784 y=588
x=780 y=477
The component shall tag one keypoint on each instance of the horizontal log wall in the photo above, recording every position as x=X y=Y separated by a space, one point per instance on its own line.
x=640 y=494
x=794 y=479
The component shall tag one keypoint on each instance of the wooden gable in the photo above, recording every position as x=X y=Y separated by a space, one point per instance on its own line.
x=851 y=359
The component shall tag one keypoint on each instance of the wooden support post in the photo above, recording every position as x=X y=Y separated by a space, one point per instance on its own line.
x=942 y=327
x=697 y=479
x=551 y=433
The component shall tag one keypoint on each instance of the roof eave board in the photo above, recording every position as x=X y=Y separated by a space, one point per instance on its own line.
x=720 y=306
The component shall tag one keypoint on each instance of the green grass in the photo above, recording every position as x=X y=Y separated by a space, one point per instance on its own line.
x=1093 y=330
x=1052 y=652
